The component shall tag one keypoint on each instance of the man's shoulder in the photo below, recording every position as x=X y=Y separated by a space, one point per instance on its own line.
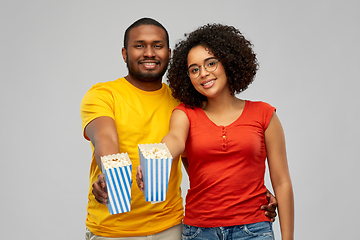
x=109 y=84
x=168 y=89
x=116 y=82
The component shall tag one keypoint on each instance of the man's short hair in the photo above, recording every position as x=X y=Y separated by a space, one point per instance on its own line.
x=144 y=21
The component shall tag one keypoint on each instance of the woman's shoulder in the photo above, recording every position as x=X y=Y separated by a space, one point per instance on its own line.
x=258 y=104
x=190 y=112
x=183 y=107
x=259 y=110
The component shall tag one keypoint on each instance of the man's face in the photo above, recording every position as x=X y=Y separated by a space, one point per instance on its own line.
x=147 y=55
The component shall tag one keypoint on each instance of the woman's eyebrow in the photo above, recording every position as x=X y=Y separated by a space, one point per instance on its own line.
x=194 y=64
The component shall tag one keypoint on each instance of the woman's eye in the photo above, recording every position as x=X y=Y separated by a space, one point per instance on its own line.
x=194 y=70
x=212 y=63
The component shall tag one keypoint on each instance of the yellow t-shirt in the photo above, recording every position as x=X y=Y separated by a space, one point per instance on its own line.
x=140 y=117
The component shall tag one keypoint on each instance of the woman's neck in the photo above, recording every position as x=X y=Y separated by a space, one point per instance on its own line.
x=225 y=111
x=221 y=104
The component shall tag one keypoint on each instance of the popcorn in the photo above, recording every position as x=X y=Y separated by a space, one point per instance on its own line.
x=116 y=160
x=117 y=170
x=155 y=152
x=155 y=161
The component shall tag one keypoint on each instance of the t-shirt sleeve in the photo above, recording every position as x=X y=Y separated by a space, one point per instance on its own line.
x=97 y=102
x=181 y=107
x=266 y=113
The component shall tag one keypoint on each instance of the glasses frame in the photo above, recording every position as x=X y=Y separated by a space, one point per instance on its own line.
x=216 y=62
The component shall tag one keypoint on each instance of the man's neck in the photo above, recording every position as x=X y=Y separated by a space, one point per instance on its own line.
x=143 y=85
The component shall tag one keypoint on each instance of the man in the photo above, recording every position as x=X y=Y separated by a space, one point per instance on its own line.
x=116 y=117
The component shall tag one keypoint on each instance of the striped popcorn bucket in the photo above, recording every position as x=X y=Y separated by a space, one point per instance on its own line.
x=156 y=173
x=118 y=182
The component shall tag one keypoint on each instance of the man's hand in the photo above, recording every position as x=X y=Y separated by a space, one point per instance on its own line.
x=99 y=190
x=139 y=178
x=270 y=209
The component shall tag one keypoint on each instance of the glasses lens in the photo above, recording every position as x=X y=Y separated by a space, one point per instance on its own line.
x=211 y=65
x=194 y=71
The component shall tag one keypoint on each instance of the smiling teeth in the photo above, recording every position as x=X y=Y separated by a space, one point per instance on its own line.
x=208 y=83
x=149 y=63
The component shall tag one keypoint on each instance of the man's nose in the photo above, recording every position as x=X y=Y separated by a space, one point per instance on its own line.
x=149 y=51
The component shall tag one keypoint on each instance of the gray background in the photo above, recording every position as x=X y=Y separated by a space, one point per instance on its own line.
x=52 y=52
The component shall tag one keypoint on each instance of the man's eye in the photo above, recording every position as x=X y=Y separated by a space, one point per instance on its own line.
x=158 y=46
x=138 y=46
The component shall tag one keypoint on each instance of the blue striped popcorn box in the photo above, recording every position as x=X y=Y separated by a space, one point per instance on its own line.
x=155 y=162
x=117 y=171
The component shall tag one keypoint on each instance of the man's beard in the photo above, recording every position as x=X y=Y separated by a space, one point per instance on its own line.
x=148 y=76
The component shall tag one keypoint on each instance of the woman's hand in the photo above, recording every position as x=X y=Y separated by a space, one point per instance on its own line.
x=139 y=179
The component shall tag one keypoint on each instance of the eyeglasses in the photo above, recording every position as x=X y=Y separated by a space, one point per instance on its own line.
x=210 y=65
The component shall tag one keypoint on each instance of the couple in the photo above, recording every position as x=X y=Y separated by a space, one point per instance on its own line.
x=225 y=197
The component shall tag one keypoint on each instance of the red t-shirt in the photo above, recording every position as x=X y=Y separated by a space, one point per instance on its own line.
x=226 y=167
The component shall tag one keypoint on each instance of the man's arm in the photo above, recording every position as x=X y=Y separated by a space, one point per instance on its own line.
x=103 y=135
x=99 y=190
x=270 y=208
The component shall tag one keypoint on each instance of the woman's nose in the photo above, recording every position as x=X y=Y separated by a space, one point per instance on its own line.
x=203 y=71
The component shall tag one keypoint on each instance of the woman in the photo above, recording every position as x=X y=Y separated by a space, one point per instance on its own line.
x=226 y=139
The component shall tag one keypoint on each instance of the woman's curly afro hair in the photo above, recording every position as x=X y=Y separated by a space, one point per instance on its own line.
x=228 y=45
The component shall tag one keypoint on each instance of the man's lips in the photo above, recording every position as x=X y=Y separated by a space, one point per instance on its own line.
x=149 y=64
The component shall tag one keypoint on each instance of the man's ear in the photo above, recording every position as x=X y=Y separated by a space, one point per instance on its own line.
x=124 y=53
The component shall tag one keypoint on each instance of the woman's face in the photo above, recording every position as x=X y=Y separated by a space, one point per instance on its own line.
x=210 y=84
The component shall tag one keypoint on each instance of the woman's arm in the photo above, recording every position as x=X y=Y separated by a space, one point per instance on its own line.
x=280 y=176
x=178 y=133
x=174 y=140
